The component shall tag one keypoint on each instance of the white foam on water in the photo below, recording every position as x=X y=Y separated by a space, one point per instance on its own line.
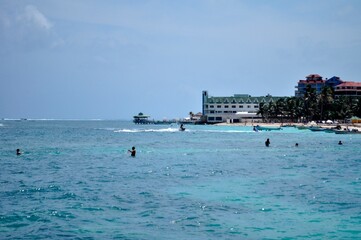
x=147 y=130
x=227 y=131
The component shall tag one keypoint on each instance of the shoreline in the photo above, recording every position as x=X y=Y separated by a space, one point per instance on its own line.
x=323 y=125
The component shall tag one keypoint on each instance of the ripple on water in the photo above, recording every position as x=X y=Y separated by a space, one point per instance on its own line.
x=75 y=180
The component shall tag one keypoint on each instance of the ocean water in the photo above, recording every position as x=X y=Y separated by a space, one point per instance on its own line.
x=76 y=180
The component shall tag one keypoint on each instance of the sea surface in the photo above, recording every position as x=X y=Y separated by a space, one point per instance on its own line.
x=76 y=180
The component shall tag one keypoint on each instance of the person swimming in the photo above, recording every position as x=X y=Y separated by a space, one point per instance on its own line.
x=267 y=142
x=18 y=152
x=339 y=143
x=181 y=128
x=132 y=152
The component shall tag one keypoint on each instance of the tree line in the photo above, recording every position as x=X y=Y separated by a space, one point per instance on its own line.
x=311 y=107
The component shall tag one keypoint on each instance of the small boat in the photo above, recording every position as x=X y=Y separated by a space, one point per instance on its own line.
x=260 y=128
x=289 y=125
x=353 y=131
x=303 y=127
x=330 y=130
x=317 y=129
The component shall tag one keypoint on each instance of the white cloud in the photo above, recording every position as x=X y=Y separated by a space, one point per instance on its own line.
x=33 y=15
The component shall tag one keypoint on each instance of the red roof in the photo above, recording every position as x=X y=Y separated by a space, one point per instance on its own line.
x=313 y=76
x=349 y=84
x=311 y=81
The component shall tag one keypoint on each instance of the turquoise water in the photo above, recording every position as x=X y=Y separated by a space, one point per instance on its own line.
x=76 y=180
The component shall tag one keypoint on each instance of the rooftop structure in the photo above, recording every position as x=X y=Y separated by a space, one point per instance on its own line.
x=141 y=119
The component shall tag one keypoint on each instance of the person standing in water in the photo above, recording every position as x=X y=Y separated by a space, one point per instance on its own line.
x=132 y=152
x=267 y=143
x=18 y=152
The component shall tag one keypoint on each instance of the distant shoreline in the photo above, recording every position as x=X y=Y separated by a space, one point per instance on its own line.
x=324 y=125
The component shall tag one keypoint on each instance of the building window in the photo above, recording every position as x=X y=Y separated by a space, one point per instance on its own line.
x=255 y=106
x=219 y=118
x=211 y=111
x=211 y=106
x=248 y=106
x=233 y=106
x=206 y=106
x=219 y=106
x=226 y=106
x=210 y=118
x=240 y=106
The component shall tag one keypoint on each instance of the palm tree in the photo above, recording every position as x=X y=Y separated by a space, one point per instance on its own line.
x=299 y=108
x=310 y=101
x=357 y=107
x=325 y=99
x=312 y=107
x=272 y=110
x=342 y=108
x=264 y=110
x=292 y=108
x=280 y=108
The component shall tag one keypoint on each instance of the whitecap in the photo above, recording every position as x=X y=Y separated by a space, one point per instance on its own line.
x=126 y=130
x=146 y=130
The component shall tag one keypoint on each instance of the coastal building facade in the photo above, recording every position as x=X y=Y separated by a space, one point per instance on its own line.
x=348 y=89
x=340 y=87
x=232 y=109
x=315 y=81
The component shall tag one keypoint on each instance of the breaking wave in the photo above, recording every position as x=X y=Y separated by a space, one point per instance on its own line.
x=147 y=130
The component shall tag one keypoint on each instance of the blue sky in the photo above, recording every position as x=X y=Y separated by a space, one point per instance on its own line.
x=93 y=59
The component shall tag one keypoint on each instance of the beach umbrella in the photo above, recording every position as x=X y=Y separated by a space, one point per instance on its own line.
x=329 y=121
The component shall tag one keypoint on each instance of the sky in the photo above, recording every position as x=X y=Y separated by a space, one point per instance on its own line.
x=95 y=59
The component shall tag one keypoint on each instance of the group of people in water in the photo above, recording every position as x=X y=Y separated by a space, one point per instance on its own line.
x=268 y=142
x=133 y=151
x=181 y=128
